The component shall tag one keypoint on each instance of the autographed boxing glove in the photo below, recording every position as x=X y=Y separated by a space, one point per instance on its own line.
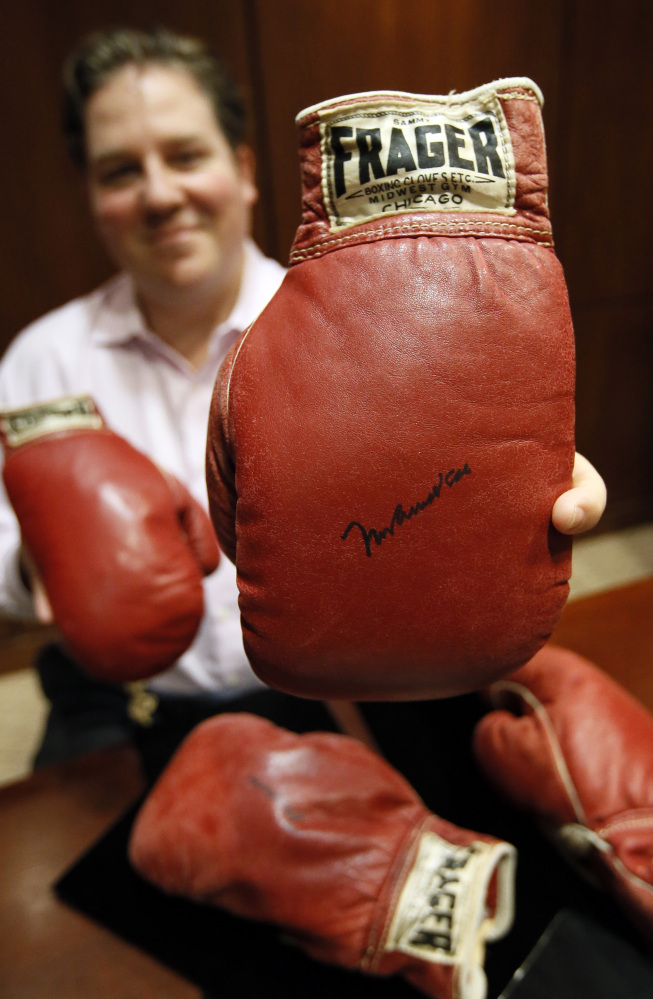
x=320 y=836
x=121 y=546
x=387 y=440
x=574 y=748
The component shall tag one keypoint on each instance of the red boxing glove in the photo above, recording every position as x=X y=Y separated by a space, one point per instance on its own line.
x=575 y=749
x=387 y=440
x=121 y=546
x=319 y=835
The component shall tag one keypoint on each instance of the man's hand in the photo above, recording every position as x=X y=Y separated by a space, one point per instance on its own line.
x=582 y=506
x=121 y=547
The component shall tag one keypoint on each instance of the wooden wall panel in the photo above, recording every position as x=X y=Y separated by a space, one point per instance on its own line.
x=314 y=51
x=614 y=401
x=604 y=224
x=603 y=227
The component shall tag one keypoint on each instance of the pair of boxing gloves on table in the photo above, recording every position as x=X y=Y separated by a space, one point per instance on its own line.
x=319 y=836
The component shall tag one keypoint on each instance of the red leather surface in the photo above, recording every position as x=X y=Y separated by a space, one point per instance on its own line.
x=604 y=738
x=120 y=546
x=315 y=833
x=413 y=393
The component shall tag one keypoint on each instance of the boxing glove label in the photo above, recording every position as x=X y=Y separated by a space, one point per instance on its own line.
x=443 y=908
x=384 y=156
x=19 y=426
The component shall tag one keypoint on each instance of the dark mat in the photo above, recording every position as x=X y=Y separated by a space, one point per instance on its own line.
x=221 y=954
x=577 y=957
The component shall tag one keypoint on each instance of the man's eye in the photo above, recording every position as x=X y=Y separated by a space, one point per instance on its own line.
x=187 y=158
x=116 y=175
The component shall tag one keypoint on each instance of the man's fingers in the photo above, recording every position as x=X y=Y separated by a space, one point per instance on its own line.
x=582 y=506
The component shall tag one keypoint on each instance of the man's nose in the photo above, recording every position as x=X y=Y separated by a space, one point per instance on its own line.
x=160 y=190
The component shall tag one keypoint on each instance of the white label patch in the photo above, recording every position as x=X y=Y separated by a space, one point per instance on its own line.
x=73 y=413
x=442 y=904
x=383 y=159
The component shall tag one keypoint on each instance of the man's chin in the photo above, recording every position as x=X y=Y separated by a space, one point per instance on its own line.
x=182 y=272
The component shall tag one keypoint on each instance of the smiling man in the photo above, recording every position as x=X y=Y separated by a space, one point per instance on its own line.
x=157 y=128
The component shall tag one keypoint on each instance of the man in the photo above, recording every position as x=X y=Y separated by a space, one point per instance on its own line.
x=158 y=128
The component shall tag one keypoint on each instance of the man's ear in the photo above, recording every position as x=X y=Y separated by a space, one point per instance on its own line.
x=247 y=167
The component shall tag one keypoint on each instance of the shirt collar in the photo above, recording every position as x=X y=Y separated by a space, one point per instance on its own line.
x=119 y=319
x=254 y=294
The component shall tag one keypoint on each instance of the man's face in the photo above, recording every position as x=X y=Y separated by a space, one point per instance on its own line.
x=170 y=198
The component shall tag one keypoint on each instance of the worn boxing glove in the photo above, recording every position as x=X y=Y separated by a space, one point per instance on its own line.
x=320 y=836
x=574 y=748
x=121 y=546
x=387 y=440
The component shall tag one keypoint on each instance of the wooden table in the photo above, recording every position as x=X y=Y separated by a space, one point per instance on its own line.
x=615 y=630
x=48 y=951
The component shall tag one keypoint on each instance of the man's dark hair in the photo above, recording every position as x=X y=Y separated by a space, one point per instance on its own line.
x=91 y=64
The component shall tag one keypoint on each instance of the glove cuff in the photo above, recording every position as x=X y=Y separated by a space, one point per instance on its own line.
x=22 y=426
x=390 y=163
x=454 y=893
